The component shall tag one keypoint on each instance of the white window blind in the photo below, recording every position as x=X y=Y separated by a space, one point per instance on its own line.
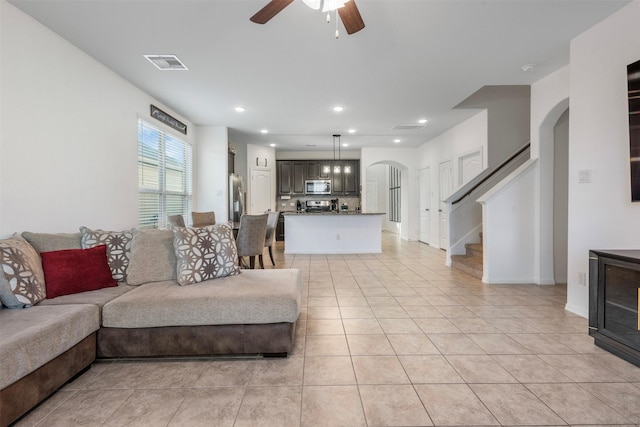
x=394 y=194
x=164 y=176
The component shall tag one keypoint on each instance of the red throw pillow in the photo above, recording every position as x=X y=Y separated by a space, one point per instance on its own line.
x=71 y=271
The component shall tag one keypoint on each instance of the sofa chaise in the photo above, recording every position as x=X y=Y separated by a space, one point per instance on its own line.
x=158 y=308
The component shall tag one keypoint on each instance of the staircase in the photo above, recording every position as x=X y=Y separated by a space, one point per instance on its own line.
x=471 y=263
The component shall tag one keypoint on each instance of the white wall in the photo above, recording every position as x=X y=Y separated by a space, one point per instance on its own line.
x=68 y=134
x=380 y=174
x=403 y=158
x=319 y=155
x=450 y=145
x=211 y=185
x=508 y=118
x=560 y=197
x=549 y=100
x=601 y=215
x=508 y=210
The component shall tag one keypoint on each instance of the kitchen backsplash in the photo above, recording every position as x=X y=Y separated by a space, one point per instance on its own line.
x=290 y=204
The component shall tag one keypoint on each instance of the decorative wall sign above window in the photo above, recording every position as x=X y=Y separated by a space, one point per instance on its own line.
x=168 y=120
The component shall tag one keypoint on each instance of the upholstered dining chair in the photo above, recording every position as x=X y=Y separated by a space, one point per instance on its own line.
x=272 y=223
x=250 y=239
x=176 y=220
x=202 y=219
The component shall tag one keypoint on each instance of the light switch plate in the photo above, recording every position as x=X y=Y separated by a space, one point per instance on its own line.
x=584 y=176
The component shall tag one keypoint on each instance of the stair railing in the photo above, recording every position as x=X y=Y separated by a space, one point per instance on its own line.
x=495 y=171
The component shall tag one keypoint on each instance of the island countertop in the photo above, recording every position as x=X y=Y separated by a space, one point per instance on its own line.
x=332 y=213
x=332 y=232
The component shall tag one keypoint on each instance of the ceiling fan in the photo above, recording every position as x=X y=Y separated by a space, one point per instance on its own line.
x=347 y=10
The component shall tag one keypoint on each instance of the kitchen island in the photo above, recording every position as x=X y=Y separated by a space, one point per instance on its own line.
x=333 y=233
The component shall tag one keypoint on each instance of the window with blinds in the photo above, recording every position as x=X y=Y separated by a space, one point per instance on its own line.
x=394 y=194
x=164 y=176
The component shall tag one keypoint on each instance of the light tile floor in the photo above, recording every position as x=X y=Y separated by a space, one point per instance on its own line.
x=391 y=339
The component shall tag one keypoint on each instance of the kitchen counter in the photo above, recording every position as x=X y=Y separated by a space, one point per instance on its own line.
x=331 y=213
x=333 y=232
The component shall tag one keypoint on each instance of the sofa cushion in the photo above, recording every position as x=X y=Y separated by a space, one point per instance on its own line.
x=30 y=338
x=205 y=253
x=46 y=242
x=153 y=258
x=21 y=276
x=71 y=271
x=253 y=297
x=118 y=248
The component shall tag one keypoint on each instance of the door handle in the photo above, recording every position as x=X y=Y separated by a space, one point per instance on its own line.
x=439 y=210
x=427 y=210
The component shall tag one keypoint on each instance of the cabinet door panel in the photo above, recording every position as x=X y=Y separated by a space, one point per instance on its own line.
x=298 y=177
x=313 y=170
x=350 y=172
x=284 y=177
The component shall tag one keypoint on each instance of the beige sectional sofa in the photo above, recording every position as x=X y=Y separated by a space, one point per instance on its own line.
x=44 y=346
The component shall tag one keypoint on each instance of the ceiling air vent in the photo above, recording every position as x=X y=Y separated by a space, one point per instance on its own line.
x=166 y=62
x=407 y=127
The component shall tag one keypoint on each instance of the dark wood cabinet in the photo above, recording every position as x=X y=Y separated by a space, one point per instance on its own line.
x=291 y=177
x=614 y=291
x=319 y=169
x=284 y=177
x=344 y=176
x=298 y=177
x=351 y=176
x=280 y=228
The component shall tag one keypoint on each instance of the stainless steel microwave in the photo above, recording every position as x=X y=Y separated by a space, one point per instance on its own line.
x=317 y=186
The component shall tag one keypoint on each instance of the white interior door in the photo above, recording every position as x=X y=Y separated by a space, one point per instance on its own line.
x=470 y=165
x=446 y=188
x=372 y=196
x=260 y=191
x=424 y=187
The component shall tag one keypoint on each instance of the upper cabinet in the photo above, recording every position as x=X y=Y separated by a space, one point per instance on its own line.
x=291 y=177
x=318 y=169
x=344 y=176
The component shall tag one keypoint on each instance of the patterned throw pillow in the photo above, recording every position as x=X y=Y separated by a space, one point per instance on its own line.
x=205 y=253
x=118 y=248
x=21 y=276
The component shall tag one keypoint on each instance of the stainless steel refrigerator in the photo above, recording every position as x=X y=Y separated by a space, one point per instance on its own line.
x=236 y=197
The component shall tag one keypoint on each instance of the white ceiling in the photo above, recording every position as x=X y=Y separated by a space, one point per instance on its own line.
x=414 y=59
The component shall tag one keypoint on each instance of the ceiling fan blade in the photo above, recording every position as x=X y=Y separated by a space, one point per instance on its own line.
x=269 y=11
x=351 y=18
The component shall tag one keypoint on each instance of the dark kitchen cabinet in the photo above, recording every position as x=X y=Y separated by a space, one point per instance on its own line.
x=319 y=170
x=291 y=177
x=346 y=178
x=345 y=181
x=280 y=228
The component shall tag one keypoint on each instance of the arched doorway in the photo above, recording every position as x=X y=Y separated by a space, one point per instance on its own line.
x=386 y=190
x=554 y=183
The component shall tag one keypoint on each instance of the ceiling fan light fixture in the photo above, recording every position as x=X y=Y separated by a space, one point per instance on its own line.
x=329 y=5
x=313 y=4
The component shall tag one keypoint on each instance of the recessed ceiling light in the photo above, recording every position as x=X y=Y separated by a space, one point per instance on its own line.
x=338 y=108
x=264 y=131
x=352 y=131
x=422 y=121
x=528 y=67
x=345 y=145
x=240 y=109
x=397 y=141
x=272 y=145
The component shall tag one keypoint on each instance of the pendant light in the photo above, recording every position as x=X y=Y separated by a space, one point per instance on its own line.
x=336 y=168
